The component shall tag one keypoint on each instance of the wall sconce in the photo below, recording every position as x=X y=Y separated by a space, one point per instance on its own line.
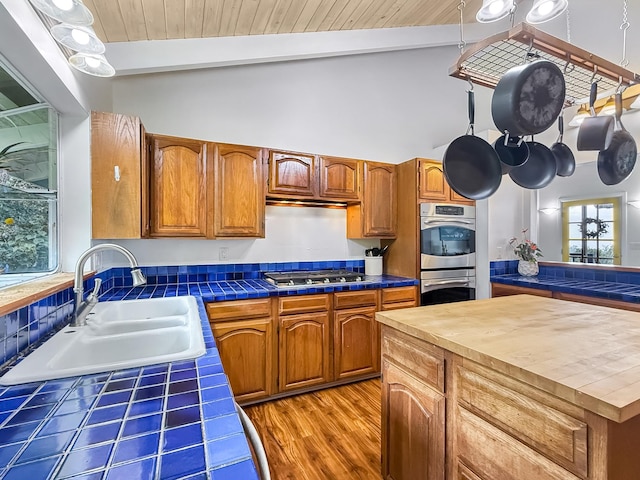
x=75 y=33
x=634 y=203
x=549 y=210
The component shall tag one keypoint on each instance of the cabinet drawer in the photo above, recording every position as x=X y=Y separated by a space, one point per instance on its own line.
x=239 y=309
x=397 y=305
x=359 y=298
x=478 y=443
x=303 y=304
x=398 y=294
x=533 y=417
x=422 y=359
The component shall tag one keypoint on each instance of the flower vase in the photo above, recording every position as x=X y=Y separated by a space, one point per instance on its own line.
x=528 y=269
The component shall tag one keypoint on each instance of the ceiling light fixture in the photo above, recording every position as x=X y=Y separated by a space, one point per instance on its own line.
x=545 y=10
x=494 y=10
x=92 y=64
x=78 y=39
x=73 y=12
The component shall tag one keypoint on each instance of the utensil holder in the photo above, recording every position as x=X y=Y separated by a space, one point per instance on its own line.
x=373 y=265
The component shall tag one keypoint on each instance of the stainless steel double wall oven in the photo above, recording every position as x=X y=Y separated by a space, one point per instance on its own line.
x=447 y=253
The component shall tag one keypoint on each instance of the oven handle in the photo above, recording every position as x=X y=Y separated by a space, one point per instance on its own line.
x=464 y=222
x=446 y=282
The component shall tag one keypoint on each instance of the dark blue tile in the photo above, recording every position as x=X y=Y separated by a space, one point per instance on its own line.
x=149 y=392
x=182 y=463
x=153 y=380
x=183 y=416
x=106 y=432
x=11 y=404
x=8 y=452
x=89 y=476
x=46 y=447
x=40 y=469
x=114 y=398
x=228 y=450
x=85 y=460
x=177 y=438
x=135 y=426
x=183 y=386
x=30 y=414
x=54 y=385
x=109 y=414
x=20 y=390
x=145 y=407
x=182 y=375
x=142 y=470
x=116 y=385
x=137 y=447
x=244 y=470
x=183 y=400
x=222 y=427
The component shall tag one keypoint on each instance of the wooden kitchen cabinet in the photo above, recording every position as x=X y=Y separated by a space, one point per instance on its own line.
x=291 y=175
x=339 y=178
x=413 y=427
x=239 y=191
x=375 y=216
x=433 y=186
x=180 y=205
x=118 y=188
x=246 y=339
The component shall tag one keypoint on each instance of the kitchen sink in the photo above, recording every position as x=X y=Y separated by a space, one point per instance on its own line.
x=123 y=334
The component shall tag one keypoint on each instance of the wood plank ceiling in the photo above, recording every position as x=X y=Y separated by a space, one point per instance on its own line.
x=134 y=20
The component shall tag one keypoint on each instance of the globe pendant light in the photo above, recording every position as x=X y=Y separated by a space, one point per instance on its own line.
x=92 y=64
x=494 y=10
x=73 y=12
x=545 y=10
x=78 y=39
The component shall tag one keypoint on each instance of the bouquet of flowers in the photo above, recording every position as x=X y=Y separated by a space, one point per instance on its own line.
x=525 y=250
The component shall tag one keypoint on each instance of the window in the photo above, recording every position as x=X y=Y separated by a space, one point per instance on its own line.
x=591 y=231
x=28 y=181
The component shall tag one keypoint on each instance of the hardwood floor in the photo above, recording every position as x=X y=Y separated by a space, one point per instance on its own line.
x=331 y=434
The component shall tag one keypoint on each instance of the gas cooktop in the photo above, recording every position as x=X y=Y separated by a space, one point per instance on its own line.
x=312 y=277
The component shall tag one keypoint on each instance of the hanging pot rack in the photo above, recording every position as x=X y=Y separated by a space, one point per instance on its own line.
x=484 y=62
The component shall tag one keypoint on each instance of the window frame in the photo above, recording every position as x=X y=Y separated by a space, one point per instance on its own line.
x=617 y=202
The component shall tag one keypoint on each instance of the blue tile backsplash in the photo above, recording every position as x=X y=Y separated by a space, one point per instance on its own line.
x=175 y=420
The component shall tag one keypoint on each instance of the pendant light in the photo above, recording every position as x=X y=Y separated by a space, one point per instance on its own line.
x=78 y=39
x=95 y=65
x=73 y=12
x=545 y=10
x=494 y=10
x=582 y=113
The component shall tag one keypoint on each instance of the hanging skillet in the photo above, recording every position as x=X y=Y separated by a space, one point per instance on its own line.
x=616 y=162
x=538 y=171
x=471 y=165
x=528 y=98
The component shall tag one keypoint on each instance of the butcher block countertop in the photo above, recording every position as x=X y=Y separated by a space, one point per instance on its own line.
x=585 y=354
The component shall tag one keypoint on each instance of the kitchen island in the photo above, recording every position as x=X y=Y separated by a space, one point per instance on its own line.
x=517 y=387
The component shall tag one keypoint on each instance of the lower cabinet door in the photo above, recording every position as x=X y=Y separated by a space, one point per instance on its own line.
x=248 y=355
x=304 y=350
x=413 y=427
x=356 y=345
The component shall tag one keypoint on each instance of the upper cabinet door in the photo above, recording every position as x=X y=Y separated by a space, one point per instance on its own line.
x=239 y=192
x=116 y=176
x=379 y=202
x=433 y=185
x=292 y=174
x=178 y=187
x=339 y=178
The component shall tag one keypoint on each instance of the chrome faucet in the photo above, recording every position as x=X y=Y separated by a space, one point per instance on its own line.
x=82 y=307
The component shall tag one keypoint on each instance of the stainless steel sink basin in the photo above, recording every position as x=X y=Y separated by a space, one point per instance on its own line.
x=124 y=334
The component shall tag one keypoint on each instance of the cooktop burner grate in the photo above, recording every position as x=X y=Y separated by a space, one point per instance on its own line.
x=312 y=277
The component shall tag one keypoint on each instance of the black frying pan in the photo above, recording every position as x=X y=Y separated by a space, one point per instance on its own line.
x=595 y=133
x=565 y=161
x=513 y=152
x=616 y=162
x=538 y=171
x=471 y=165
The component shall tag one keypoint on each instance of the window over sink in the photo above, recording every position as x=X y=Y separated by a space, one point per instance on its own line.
x=28 y=181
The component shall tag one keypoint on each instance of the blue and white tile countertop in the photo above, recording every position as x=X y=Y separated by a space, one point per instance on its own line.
x=166 y=421
x=620 y=285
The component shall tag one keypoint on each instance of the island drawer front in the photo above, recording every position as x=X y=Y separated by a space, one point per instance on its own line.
x=303 y=304
x=399 y=294
x=356 y=299
x=239 y=309
x=493 y=454
x=525 y=413
x=422 y=359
